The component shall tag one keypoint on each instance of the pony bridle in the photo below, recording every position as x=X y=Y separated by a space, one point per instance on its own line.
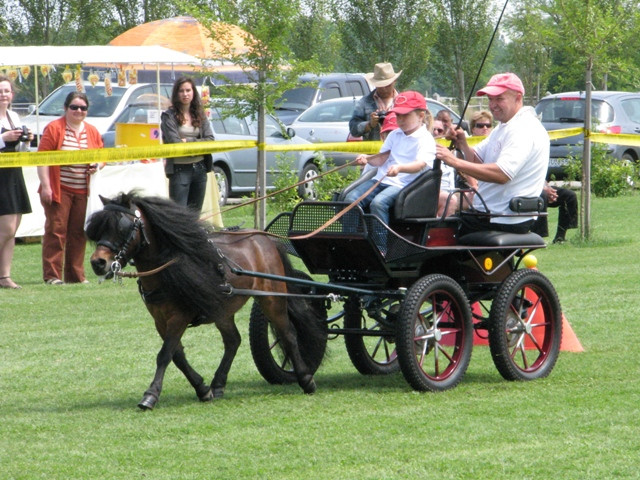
x=130 y=227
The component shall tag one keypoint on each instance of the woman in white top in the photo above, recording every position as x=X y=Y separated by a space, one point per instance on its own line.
x=14 y=200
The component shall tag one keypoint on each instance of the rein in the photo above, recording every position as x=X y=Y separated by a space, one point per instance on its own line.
x=148 y=273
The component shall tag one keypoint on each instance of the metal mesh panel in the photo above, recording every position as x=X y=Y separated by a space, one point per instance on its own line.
x=280 y=226
x=309 y=216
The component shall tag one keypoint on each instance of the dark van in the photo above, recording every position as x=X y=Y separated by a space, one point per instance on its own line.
x=332 y=85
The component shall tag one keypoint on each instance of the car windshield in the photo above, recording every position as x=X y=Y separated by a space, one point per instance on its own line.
x=296 y=99
x=571 y=110
x=100 y=105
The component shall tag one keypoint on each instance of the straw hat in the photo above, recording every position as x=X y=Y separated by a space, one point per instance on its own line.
x=382 y=75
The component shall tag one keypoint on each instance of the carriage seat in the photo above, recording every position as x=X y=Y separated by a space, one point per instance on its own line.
x=419 y=199
x=491 y=238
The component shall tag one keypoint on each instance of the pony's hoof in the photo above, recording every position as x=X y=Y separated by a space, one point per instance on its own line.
x=207 y=397
x=147 y=402
x=310 y=388
x=218 y=392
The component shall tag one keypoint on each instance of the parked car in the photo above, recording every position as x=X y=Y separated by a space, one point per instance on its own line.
x=333 y=85
x=103 y=108
x=435 y=106
x=611 y=112
x=236 y=170
x=328 y=121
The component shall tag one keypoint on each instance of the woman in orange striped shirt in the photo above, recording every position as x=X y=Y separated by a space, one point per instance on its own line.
x=63 y=193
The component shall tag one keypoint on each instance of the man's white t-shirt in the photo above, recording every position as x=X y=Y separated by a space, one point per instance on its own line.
x=419 y=145
x=520 y=148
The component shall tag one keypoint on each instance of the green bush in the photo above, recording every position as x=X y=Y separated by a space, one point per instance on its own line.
x=610 y=177
x=324 y=186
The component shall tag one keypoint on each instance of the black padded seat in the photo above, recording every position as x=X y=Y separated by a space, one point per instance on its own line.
x=419 y=199
x=497 y=239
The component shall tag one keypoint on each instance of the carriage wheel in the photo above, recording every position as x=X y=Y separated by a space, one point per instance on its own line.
x=435 y=334
x=371 y=355
x=269 y=356
x=525 y=326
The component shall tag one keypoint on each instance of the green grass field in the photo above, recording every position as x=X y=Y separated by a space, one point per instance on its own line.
x=75 y=360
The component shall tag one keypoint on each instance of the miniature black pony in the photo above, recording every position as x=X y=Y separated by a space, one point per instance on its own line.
x=185 y=279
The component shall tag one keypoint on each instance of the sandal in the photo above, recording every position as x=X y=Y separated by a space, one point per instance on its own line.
x=54 y=281
x=6 y=282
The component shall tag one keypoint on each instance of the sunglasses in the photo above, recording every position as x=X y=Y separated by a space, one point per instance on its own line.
x=84 y=108
x=438 y=130
x=482 y=125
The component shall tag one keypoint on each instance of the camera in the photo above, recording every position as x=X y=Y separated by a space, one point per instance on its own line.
x=381 y=116
x=25 y=135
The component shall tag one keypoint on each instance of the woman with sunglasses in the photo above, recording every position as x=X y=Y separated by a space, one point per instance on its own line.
x=481 y=123
x=64 y=191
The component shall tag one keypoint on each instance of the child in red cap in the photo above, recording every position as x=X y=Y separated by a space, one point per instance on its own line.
x=405 y=153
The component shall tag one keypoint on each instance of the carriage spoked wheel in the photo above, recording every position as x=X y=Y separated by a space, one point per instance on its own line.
x=375 y=352
x=268 y=353
x=434 y=338
x=525 y=326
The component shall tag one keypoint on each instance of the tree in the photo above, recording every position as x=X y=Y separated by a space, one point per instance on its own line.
x=267 y=61
x=312 y=23
x=464 y=30
x=528 y=50
x=375 y=31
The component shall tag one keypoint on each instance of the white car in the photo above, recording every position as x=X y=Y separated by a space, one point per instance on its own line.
x=328 y=121
x=103 y=108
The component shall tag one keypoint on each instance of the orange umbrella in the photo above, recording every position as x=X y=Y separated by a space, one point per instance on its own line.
x=185 y=34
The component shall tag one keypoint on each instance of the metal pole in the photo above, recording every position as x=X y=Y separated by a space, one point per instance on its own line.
x=586 y=159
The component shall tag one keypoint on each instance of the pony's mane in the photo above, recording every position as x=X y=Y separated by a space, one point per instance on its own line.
x=178 y=234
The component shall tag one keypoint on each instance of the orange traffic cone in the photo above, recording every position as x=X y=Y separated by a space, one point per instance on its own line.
x=568 y=343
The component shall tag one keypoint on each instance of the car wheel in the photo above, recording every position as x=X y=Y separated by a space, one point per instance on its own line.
x=223 y=184
x=307 y=190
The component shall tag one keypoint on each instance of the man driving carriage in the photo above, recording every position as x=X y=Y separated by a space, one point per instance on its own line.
x=511 y=162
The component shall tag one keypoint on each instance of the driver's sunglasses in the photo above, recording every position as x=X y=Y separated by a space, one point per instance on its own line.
x=84 y=108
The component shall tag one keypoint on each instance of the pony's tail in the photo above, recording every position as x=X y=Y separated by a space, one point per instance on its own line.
x=308 y=315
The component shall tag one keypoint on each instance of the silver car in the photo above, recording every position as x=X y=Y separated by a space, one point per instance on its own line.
x=326 y=122
x=611 y=112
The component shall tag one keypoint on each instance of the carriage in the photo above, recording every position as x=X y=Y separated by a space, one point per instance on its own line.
x=411 y=295
x=415 y=294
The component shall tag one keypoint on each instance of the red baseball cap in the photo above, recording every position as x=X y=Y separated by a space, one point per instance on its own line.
x=409 y=101
x=390 y=123
x=502 y=82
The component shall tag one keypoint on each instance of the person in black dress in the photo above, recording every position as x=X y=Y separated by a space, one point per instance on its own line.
x=14 y=199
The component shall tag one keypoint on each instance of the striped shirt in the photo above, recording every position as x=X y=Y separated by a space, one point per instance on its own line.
x=74 y=177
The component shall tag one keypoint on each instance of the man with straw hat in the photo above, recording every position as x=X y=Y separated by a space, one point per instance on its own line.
x=371 y=109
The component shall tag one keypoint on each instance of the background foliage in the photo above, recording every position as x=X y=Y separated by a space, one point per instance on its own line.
x=437 y=43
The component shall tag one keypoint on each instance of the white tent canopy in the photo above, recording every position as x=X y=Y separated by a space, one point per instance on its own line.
x=72 y=55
